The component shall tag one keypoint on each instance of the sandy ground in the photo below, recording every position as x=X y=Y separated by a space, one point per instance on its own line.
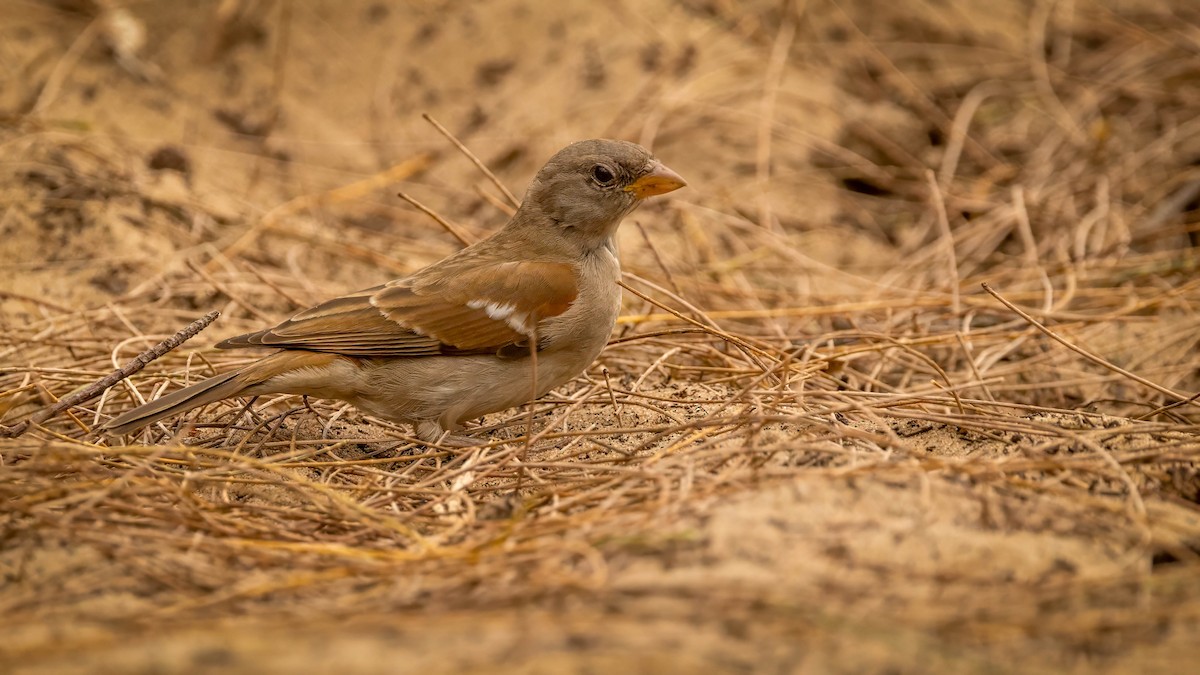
x=164 y=159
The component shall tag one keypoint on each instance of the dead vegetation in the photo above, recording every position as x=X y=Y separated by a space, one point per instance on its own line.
x=815 y=443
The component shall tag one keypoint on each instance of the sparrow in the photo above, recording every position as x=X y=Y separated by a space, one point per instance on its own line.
x=495 y=325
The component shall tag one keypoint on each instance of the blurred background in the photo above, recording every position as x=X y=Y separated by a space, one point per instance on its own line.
x=817 y=123
x=856 y=169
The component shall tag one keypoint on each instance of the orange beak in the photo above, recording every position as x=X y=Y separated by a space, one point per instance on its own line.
x=660 y=180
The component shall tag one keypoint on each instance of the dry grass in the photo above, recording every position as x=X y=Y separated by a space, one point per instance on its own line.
x=767 y=365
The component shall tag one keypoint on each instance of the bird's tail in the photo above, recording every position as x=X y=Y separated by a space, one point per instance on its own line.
x=213 y=389
x=256 y=378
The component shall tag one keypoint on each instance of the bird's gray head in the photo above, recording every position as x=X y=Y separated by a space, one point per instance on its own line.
x=588 y=187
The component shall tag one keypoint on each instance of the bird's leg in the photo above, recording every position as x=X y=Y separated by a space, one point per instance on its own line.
x=432 y=433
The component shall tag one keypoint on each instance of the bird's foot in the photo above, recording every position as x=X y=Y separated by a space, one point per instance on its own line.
x=433 y=434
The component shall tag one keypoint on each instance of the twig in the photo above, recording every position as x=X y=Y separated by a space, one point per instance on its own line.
x=970 y=359
x=752 y=352
x=1039 y=23
x=283 y=30
x=454 y=230
x=227 y=292
x=398 y=172
x=1173 y=205
x=63 y=68
x=943 y=222
x=295 y=302
x=700 y=314
x=662 y=265
x=1160 y=410
x=612 y=398
x=1183 y=398
x=529 y=411
x=475 y=160
x=42 y=302
x=960 y=126
x=772 y=79
x=96 y=388
x=502 y=206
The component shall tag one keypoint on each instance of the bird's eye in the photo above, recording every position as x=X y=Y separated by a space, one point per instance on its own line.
x=603 y=175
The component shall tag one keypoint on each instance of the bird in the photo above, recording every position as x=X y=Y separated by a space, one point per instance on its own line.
x=493 y=326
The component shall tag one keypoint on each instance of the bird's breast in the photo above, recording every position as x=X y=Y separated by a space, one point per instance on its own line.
x=587 y=324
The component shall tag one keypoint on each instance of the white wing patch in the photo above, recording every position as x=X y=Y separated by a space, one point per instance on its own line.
x=506 y=313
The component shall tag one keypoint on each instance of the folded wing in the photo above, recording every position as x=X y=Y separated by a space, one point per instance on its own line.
x=482 y=309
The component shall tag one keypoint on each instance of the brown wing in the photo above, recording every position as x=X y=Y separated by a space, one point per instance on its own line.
x=482 y=309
